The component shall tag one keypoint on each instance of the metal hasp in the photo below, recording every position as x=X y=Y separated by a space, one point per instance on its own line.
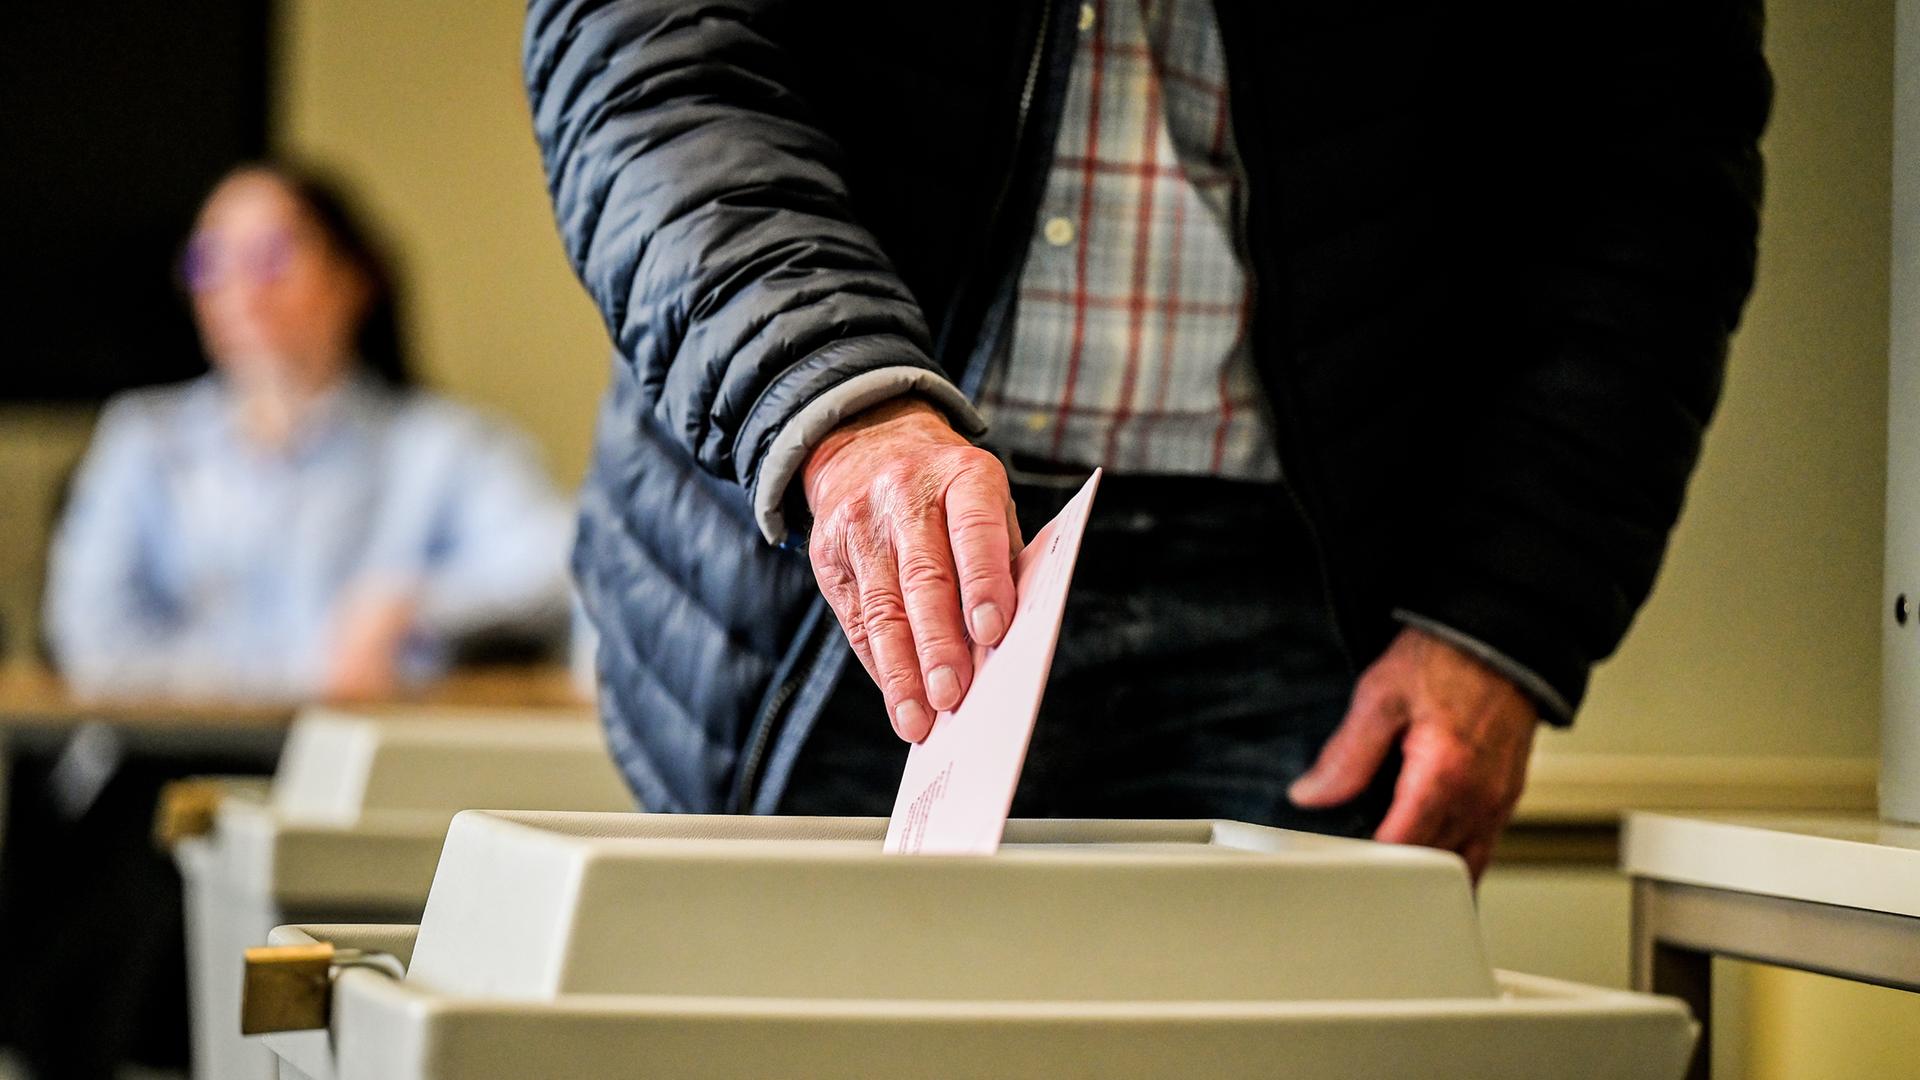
x=290 y=987
x=286 y=988
x=187 y=808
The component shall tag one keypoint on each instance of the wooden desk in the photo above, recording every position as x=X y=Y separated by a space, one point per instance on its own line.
x=36 y=697
x=39 y=714
x=1835 y=894
x=36 y=707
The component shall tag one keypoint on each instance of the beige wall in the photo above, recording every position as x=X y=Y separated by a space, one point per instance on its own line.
x=420 y=102
x=39 y=446
x=1761 y=636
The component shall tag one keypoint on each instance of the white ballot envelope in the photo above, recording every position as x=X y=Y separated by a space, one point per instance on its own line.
x=959 y=782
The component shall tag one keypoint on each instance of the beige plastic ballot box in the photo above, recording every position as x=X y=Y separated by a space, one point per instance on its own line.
x=575 y=946
x=350 y=829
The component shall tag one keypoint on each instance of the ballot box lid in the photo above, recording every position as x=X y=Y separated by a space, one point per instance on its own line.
x=339 y=764
x=540 y=906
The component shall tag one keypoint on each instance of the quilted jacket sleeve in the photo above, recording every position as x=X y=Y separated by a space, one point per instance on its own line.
x=703 y=207
x=1636 y=198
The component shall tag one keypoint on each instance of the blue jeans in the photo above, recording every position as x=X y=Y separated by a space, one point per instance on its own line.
x=1198 y=673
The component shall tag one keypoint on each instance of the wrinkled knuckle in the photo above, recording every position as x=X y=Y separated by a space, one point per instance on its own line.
x=830 y=568
x=828 y=574
x=856 y=631
x=972 y=517
x=978 y=583
x=940 y=645
x=924 y=570
x=899 y=682
x=881 y=609
x=841 y=597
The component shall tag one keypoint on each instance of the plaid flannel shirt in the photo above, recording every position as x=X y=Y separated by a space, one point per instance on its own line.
x=1130 y=346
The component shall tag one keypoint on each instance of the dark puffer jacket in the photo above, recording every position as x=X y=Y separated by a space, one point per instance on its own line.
x=1499 y=248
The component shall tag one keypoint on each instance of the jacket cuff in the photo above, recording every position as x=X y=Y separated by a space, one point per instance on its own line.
x=788 y=451
x=1553 y=705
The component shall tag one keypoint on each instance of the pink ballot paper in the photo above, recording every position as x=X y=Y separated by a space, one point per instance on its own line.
x=958 y=787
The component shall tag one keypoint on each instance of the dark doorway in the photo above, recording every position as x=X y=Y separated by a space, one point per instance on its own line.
x=115 y=119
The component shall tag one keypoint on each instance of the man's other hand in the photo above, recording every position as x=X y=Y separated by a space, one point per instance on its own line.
x=913 y=527
x=1464 y=732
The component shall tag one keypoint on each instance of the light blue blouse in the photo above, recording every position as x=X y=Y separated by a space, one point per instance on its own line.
x=191 y=561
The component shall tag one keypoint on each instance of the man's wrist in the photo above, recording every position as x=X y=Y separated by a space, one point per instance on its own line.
x=779 y=503
x=906 y=419
x=1547 y=701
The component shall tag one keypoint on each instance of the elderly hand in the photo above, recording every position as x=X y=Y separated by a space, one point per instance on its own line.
x=1464 y=732
x=913 y=542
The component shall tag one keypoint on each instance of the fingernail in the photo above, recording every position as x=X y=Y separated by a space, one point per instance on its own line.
x=1306 y=787
x=943 y=688
x=910 y=721
x=988 y=623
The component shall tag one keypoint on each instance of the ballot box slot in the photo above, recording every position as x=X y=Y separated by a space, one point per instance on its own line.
x=531 y=906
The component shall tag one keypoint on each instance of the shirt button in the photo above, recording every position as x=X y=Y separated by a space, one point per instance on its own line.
x=1086 y=17
x=1037 y=421
x=1059 y=232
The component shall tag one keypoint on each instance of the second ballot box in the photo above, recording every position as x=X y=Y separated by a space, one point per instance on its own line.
x=349 y=829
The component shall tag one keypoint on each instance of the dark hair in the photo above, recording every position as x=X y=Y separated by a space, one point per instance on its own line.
x=378 y=341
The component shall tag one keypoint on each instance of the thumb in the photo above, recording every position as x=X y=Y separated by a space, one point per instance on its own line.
x=1353 y=754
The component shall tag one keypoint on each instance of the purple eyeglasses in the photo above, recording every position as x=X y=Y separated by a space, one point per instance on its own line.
x=206 y=263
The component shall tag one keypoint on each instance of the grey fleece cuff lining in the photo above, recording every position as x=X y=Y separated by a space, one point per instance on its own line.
x=1524 y=677
x=803 y=432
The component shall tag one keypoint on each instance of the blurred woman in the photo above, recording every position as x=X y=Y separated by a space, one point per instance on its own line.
x=299 y=522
